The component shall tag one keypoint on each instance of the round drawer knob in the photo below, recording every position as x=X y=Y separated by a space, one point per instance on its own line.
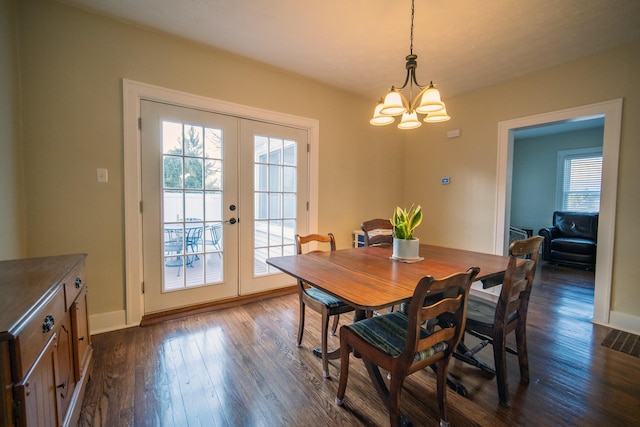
x=47 y=325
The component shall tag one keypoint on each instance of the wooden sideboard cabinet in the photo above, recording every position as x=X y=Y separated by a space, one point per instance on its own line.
x=45 y=346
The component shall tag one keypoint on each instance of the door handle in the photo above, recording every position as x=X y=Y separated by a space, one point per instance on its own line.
x=232 y=221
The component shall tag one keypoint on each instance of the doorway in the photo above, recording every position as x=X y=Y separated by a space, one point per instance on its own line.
x=262 y=123
x=612 y=113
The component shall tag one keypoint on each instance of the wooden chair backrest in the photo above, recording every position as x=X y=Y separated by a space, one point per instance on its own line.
x=377 y=224
x=446 y=300
x=320 y=238
x=518 y=281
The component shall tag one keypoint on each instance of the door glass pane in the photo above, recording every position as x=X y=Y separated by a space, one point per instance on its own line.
x=213 y=206
x=213 y=143
x=193 y=141
x=275 y=185
x=193 y=173
x=172 y=171
x=192 y=206
x=172 y=138
x=261 y=206
x=213 y=174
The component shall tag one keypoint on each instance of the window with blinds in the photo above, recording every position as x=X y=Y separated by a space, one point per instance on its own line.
x=579 y=179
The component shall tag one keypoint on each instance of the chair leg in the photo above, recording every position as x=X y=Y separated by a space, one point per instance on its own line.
x=334 y=327
x=393 y=403
x=500 y=360
x=325 y=332
x=345 y=351
x=301 y=323
x=441 y=374
x=523 y=358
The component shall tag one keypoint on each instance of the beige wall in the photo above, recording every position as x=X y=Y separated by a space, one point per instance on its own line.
x=12 y=225
x=73 y=65
x=463 y=212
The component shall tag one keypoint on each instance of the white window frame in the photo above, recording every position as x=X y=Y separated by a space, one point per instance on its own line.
x=563 y=156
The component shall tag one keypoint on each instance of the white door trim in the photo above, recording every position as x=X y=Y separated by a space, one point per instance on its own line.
x=612 y=111
x=133 y=92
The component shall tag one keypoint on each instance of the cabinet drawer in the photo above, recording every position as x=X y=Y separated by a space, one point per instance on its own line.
x=73 y=283
x=38 y=330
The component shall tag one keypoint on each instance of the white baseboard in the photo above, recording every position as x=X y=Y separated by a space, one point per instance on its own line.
x=106 y=322
x=624 y=322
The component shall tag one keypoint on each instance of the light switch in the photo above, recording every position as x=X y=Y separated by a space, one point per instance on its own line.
x=102 y=175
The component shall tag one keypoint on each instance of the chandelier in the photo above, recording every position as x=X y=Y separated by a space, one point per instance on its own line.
x=427 y=101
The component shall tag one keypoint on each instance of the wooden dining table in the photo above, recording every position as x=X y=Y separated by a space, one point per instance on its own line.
x=368 y=279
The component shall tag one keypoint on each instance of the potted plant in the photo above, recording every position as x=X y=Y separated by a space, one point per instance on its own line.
x=404 y=222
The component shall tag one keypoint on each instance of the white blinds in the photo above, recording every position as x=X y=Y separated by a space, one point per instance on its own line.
x=582 y=181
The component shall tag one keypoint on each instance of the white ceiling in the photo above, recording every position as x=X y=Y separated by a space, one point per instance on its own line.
x=360 y=45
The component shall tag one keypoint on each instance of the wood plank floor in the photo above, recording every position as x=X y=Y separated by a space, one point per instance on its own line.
x=241 y=367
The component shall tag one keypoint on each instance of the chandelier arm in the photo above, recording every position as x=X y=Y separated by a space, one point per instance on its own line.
x=418 y=97
x=406 y=80
x=405 y=101
x=413 y=75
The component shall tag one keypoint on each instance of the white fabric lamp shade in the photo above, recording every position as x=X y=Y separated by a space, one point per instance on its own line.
x=393 y=105
x=430 y=101
x=409 y=121
x=378 y=119
x=437 y=116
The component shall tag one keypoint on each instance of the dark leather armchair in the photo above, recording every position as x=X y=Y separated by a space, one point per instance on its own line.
x=572 y=240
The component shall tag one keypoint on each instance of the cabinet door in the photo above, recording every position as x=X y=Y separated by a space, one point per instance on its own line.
x=81 y=337
x=36 y=393
x=65 y=379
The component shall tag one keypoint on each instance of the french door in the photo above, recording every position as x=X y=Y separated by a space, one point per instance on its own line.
x=220 y=194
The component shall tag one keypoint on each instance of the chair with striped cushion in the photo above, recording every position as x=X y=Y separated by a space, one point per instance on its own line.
x=400 y=344
x=319 y=301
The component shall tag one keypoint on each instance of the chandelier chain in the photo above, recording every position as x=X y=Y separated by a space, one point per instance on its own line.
x=411 y=38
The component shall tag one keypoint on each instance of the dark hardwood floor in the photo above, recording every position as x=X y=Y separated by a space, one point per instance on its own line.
x=241 y=367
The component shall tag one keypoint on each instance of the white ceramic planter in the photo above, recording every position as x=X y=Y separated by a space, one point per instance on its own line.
x=406 y=249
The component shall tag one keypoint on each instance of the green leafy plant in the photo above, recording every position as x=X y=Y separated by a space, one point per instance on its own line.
x=405 y=222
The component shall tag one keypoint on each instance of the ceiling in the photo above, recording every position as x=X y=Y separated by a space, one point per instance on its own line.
x=571 y=125
x=360 y=45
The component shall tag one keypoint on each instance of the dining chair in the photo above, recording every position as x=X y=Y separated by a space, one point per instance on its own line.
x=383 y=238
x=377 y=239
x=215 y=231
x=319 y=301
x=492 y=322
x=192 y=243
x=173 y=245
x=402 y=343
